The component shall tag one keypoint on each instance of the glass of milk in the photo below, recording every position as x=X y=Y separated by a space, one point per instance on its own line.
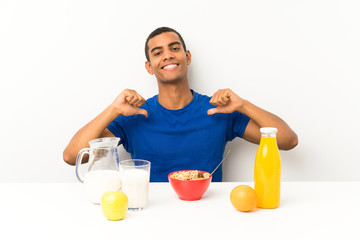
x=135 y=176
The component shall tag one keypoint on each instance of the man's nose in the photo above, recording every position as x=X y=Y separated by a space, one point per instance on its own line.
x=168 y=55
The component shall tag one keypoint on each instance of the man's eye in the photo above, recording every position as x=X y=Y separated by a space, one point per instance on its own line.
x=176 y=49
x=157 y=53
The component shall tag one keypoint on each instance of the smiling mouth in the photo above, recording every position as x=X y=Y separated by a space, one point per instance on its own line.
x=170 y=66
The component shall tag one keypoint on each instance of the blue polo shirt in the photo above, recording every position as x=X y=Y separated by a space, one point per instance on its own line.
x=183 y=139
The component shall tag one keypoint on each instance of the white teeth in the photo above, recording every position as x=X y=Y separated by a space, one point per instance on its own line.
x=170 y=67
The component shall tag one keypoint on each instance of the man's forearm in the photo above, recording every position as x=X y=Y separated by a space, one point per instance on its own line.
x=286 y=137
x=92 y=130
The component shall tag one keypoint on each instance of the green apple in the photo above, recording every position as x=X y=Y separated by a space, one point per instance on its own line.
x=114 y=205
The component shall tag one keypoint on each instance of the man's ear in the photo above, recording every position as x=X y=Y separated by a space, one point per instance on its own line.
x=188 y=57
x=148 y=67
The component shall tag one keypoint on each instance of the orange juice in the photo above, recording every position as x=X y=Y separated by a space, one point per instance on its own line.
x=267 y=170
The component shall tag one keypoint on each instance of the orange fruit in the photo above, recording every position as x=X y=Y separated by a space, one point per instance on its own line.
x=243 y=198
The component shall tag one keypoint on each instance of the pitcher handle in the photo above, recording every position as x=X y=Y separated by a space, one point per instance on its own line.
x=78 y=163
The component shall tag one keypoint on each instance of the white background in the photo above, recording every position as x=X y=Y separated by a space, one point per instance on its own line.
x=62 y=62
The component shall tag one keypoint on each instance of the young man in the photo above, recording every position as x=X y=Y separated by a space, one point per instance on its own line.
x=178 y=129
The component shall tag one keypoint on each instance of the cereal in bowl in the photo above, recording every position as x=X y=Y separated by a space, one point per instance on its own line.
x=190 y=175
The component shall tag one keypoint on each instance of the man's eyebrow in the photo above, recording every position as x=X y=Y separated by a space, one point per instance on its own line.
x=155 y=48
x=170 y=44
x=173 y=43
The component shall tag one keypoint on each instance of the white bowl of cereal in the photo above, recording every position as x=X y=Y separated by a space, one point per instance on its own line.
x=190 y=185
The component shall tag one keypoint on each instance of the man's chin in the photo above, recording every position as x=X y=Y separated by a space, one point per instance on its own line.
x=170 y=80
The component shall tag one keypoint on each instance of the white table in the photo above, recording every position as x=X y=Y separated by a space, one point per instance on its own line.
x=308 y=210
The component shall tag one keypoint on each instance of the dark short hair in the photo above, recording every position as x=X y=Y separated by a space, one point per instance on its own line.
x=159 y=31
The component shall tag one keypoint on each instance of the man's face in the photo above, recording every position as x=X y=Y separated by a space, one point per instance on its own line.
x=168 y=60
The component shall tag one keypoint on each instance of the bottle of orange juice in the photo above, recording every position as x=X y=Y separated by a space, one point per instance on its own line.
x=267 y=170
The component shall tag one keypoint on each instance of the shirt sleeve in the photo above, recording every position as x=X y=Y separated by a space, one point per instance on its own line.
x=117 y=128
x=237 y=124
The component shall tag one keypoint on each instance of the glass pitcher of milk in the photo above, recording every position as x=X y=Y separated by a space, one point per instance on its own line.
x=103 y=170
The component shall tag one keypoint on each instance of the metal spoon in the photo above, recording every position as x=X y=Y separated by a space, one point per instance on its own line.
x=221 y=161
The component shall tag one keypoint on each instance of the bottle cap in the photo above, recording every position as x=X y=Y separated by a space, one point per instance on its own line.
x=269 y=130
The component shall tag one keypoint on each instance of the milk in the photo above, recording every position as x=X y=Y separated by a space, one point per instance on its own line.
x=135 y=184
x=97 y=182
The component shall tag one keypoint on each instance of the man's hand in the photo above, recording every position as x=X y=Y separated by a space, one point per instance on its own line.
x=226 y=101
x=128 y=103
